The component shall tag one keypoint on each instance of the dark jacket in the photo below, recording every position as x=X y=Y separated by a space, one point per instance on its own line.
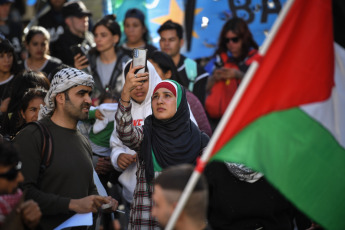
x=61 y=49
x=236 y=204
x=114 y=83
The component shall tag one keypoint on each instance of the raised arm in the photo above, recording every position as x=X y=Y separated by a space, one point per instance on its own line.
x=129 y=135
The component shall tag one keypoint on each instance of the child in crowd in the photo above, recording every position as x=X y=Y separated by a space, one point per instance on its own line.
x=102 y=118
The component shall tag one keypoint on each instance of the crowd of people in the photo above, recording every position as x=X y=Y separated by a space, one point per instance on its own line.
x=74 y=110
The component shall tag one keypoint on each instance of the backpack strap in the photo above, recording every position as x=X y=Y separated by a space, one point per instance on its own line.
x=191 y=71
x=47 y=148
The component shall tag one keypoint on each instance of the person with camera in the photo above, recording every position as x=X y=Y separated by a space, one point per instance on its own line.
x=105 y=61
x=76 y=17
x=236 y=51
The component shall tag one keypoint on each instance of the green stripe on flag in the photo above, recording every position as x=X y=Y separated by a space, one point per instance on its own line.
x=300 y=157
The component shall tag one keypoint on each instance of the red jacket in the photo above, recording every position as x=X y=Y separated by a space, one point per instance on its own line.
x=222 y=92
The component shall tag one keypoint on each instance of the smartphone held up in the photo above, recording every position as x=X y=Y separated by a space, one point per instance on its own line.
x=78 y=49
x=140 y=58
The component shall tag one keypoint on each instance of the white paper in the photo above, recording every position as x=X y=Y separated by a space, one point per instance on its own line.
x=78 y=219
x=100 y=189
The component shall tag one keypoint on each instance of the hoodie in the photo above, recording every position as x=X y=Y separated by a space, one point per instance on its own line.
x=139 y=113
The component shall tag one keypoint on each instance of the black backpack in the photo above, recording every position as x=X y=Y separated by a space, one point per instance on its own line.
x=47 y=148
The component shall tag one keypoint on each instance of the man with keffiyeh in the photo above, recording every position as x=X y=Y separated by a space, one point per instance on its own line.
x=67 y=185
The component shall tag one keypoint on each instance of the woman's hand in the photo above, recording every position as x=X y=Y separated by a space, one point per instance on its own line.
x=125 y=159
x=80 y=61
x=132 y=81
x=222 y=74
x=226 y=73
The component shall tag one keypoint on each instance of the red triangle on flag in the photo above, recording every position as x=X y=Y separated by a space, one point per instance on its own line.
x=293 y=71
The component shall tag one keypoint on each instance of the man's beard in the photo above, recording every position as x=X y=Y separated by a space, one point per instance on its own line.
x=84 y=116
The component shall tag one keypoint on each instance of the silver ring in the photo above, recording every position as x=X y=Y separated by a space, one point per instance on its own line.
x=135 y=76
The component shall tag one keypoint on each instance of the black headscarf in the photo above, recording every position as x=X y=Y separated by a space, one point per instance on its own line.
x=174 y=141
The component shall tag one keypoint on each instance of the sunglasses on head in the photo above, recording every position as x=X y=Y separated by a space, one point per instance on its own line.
x=13 y=172
x=234 y=40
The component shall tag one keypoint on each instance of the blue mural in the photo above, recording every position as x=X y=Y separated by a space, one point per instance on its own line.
x=209 y=17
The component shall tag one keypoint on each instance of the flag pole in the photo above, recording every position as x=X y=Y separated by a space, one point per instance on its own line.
x=228 y=113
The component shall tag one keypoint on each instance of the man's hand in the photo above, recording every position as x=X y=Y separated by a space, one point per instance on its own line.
x=80 y=61
x=113 y=204
x=91 y=203
x=30 y=213
x=125 y=159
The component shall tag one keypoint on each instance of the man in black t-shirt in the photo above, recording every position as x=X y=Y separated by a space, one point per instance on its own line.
x=66 y=186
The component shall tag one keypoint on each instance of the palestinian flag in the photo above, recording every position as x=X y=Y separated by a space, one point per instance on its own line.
x=287 y=119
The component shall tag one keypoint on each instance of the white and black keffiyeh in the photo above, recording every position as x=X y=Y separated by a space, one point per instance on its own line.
x=62 y=81
x=243 y=173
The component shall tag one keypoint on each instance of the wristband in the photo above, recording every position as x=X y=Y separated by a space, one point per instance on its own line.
x=125 y=101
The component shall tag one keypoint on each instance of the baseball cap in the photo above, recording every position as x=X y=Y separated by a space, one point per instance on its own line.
x=75 y=8
x=135 y=13
x=6 y=1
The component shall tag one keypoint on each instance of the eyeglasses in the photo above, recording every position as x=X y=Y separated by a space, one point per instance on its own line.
x=13 y=172
x=234 y=40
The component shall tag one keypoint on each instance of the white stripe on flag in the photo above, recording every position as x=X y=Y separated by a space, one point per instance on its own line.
x=331 y=113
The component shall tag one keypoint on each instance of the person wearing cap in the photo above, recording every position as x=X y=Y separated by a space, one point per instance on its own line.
x=66 y=186
x=137 y=34
x=76 y=32
x=169 y=137
x=12 y=30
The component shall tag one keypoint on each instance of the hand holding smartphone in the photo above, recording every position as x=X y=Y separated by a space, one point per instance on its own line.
x=77 y=49
x=140 y=58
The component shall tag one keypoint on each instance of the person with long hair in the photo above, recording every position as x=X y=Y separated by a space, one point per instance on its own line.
x=32 y=100
x=37 y=41
x=136 y=31
x=105 y=61
x=8 y=69
x=26 y=112
x=236 y=51
x=168 y=137
x=12 y=120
